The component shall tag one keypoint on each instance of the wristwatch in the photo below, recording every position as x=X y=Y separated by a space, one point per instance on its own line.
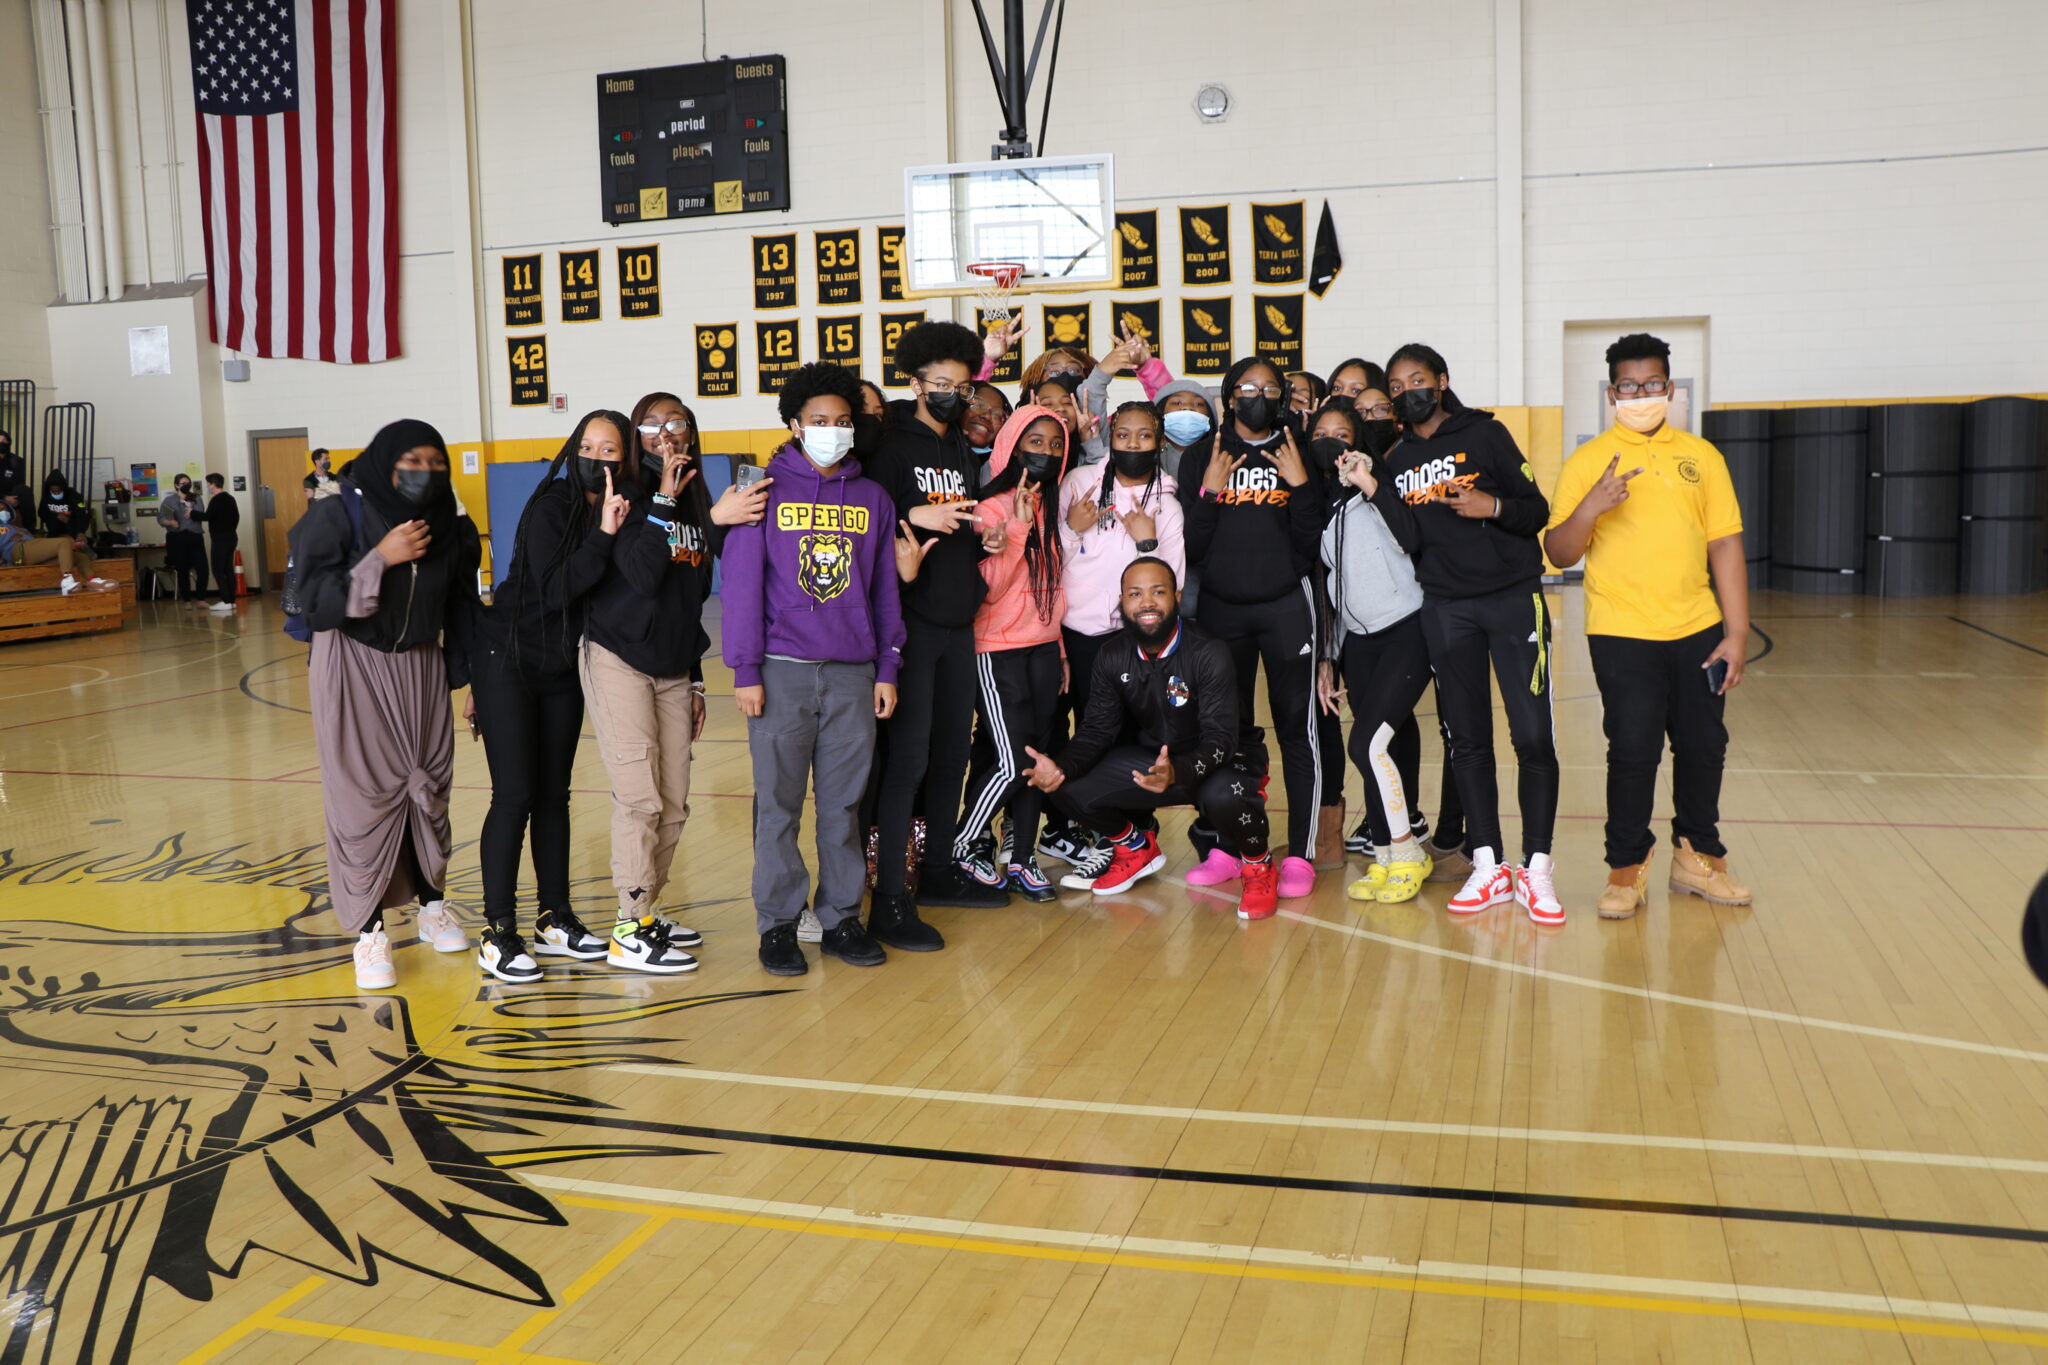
x=1146 y=547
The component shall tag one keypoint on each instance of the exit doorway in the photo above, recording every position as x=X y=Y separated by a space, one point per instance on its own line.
x=280 y=458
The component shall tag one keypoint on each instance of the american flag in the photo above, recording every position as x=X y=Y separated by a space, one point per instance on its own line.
x=298 y=158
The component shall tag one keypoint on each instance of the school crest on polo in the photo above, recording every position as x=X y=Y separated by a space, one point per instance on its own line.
x=824 y=564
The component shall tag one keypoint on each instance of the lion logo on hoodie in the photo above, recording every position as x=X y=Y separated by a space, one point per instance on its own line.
x=825 y=564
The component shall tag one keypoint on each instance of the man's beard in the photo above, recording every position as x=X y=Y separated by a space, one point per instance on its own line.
x=1153 y=639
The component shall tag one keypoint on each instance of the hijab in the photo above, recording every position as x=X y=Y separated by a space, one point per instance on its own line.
x=371 y=471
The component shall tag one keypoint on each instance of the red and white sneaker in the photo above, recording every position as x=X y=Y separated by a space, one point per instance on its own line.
x=1490 y=884
x=1127 y=866
x=1261 y=894
x=1534 y=891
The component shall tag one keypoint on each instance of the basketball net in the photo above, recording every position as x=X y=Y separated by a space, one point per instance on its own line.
x=999 y=280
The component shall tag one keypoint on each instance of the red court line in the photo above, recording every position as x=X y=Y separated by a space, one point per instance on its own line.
x=128 y=706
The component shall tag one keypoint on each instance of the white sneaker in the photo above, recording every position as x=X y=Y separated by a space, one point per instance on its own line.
x=1535 y=893
x=438 y=928
x=222 y=609
x=558 y=933
x=504 y=956
x=808 y=929
x=68 y=585
x=374 y=971
x=681 y=934
x=645 y=948
x=1490 y=884
x=1090 y=865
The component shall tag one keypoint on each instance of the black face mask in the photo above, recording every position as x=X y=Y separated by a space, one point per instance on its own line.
x=1043 y=468
x=867 y=433
x=1260 y=413
x=420 y=486
x=650 y=469
x=1415 y=406
x=1380 y=435
x=1324 y=450
x=1070 y=380
x=1135 y=464
x=589 y=474
x=945 y=408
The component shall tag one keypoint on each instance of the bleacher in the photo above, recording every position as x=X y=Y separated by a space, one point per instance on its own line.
x=32 y=607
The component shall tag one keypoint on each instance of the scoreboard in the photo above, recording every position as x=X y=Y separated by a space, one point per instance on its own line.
x=690 y=141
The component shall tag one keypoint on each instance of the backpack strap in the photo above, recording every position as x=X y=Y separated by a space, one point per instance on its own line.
x=352 y=503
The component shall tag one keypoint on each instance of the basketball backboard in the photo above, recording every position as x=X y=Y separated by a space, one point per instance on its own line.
x=1054 y=215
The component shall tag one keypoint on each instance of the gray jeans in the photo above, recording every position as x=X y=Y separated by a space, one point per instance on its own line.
x=816 y=726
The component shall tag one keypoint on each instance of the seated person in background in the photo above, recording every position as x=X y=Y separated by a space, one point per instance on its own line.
x=1176 y=686
x=20 y=548
x=321 y=483
x=65 y=514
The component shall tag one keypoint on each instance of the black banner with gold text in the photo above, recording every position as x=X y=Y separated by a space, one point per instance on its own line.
x=889 y=250
x=1010 y=368
x=1135 y=315
x=839 y=341
x=894 y=325
x=1070 y=325
x=1137 y=248
x=528 y=358
x=838 y=267
x=1205 y=246
x=582 y=291
x=640 y=281
x=1278 y=252
x=776 y=355
x=775 y=271
x=522 y=291
x=1205 y=335
x=1276 y=330
x=718 y=360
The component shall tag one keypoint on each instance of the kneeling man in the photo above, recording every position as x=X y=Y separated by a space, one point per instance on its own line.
x=1176 y=688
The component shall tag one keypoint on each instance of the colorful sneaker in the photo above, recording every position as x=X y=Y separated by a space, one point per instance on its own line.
x=1403 y=882
x=1006 y=844
x=644 y=947
x=1028 y=881
x=1452 y=864
x=808 y=930
x=980 y=863
x=1090 y=868
x=1696 y=874
x=947 y=884
x=1297 y=877
x=438 y=927
x=680 y=935
x=374 y=971
x=1219 y=867
x=1127 y=866
x=68 y=585
x=1489 y=884
x=1068 y=843
x=1367 y=888
x=503 y=954
x=1261 y=895
x=1626 y=891
x=558 y=933
x=1359 y=840
x=1535 y=892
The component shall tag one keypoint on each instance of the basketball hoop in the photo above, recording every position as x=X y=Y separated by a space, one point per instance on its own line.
x=999 y=280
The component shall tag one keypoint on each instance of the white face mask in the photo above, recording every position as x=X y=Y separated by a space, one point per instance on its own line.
x=826 y=446
x=1642 y=414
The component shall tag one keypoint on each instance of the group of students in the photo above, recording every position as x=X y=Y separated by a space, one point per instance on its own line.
x=65 y=518
x=201 y=532
x=985 y=635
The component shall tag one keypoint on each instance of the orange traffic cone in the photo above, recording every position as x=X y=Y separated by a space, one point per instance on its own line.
x=241 y=579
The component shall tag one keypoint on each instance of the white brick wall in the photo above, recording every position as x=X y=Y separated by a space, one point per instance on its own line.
x=28 y=278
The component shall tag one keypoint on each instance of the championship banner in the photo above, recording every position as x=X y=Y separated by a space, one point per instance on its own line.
x=1070 y=325
x=1141 y=317
x=528 y=357
x=839 y=341
x=1010 y=368
x=889 y=249
x=522 y=291
x=1276 y=243
x=775 y=271
x=1205 y=335
x=1205 y=245
x=894 y=325
x=718 y=360
x=640 y=281
x=582 y=296
x=1276 y=330
x=1137 y=249
x=775 y=356
x=838 y=267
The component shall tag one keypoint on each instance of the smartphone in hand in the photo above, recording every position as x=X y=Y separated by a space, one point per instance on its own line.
x=747 y=475
x=1717 y=676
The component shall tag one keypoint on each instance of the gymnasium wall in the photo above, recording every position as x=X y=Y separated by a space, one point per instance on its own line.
x=27 y=274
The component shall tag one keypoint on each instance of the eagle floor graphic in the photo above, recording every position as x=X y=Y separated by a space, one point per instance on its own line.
x=249 y=1097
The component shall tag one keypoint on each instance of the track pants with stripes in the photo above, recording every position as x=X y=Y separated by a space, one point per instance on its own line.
x=1019 y=693
x=1282 y=634
x=1385 y=674
x=1508 y=632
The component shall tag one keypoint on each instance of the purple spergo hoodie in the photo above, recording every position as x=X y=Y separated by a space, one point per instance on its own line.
x=816 y=579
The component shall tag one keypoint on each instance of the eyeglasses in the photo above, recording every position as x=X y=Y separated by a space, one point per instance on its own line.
x=1652 y=388
x=674 y=426
x=1378 y=410
x=1253 y=391
x=942 y=386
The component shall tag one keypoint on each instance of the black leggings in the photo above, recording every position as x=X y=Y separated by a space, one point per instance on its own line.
x=1283 y=634
x=1228 y=800
x=223 y=550
x=1020 y=697
x=924 y=748
x=530 y=737
x=1510 y=630
x=1385 y=674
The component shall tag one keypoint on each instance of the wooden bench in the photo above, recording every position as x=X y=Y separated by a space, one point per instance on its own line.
x=31 y=606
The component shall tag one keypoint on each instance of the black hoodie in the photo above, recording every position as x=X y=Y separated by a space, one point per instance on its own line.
x=1254 y=543
x=1457 y=557
x=649 y=607
x=919 y=467
x=541 y=599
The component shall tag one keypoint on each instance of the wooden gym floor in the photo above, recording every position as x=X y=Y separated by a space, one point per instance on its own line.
x=1133 y=1131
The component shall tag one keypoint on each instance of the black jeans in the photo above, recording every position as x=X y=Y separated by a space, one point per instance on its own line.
x=924 y=747
x=1385 y=674
x=1283 y=634
x=1510 y=632
x=530 y=737
x=1020 y=697
x=1105 y=799
x=185 y=556
x=223 y=549
x=1650 y=689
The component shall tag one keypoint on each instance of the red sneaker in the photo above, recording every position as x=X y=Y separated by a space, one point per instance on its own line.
x=1129 y=865
x=1261 y=891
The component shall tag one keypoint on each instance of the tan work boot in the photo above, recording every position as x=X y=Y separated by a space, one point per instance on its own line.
x=1625 y=892
x=1696 y=874
x=1330 y=837
x=1450 y=864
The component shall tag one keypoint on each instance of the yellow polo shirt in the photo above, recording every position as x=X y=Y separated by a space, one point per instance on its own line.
x=1646 y=565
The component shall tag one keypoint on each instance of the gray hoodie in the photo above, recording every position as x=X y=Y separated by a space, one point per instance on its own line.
x=1374 y=586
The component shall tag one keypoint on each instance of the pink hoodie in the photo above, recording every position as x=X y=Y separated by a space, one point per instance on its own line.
x=1009 y=617
x=1096 y=559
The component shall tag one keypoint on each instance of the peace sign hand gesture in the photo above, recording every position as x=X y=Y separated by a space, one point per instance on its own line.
x=1612 y=489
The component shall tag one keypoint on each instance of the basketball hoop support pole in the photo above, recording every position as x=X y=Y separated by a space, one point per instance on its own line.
x=1013 y=73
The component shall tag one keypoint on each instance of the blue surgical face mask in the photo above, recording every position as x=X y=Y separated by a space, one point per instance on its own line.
x=983 y=451
x=827 y=446
x=1185 y=426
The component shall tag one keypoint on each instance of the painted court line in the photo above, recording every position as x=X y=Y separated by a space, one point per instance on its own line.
x=1873 y=1312
x=1458 y=1130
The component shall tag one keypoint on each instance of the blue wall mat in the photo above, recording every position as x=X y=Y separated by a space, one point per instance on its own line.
x=508 y=486
x=718 y=477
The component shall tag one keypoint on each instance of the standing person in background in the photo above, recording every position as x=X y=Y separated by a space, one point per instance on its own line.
x=525 y=699
x=386 y=572
x=929 y=471
x=1305 y=392
x=1464 y=506
x=321 y=483
x=987 y=410
x=184 y=546
x=873 y=402
x=1254 y=527
x=223 y=518
x=13 y=469
x=1361 y=382
x=1653 y=511
x=815 y=637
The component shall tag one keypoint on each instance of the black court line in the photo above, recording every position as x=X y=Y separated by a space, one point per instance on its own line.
x=1996 y=636
x=1457 y=1193
x=243 y=683
x=1769 y=644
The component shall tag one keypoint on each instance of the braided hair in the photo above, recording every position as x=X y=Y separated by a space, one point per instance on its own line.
x=1108 y=489
x=1044 y=556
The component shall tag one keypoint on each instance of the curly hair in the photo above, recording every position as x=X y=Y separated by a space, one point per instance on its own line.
x=1034 y=373
x=1638 y=346
x=819 y=379
x=930 y=342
